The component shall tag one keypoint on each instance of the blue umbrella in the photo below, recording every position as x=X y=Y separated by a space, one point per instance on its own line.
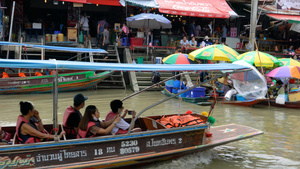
x=148 y=21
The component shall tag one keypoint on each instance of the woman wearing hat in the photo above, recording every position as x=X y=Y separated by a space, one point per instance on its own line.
x=205 y=42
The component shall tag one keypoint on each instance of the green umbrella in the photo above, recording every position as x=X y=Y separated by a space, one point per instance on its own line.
x=215 y=52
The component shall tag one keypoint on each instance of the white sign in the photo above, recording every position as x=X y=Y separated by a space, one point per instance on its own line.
x=288 y=5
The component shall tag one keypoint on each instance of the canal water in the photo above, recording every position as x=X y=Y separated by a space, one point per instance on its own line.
x=278 y=147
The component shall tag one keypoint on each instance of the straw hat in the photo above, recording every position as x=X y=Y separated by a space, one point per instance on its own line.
x=222 y=80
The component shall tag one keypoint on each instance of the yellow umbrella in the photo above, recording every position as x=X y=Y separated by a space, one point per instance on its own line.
x=289 y=62
x=266 y=59
x=215 y=52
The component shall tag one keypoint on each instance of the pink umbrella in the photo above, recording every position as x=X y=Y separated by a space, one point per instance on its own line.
x=285 y=72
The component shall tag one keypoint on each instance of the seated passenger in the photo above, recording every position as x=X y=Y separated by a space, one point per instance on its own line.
x=177 y=85
x=27 y=130
x=205 y=42
x=90 y=126
x=122 y=126
x=72 y=116
x=2 y=136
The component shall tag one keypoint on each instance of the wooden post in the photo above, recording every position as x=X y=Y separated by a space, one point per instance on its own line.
x=262 y=71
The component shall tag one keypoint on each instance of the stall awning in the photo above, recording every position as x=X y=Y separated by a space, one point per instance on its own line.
x=105 y=2
x=196 y=8
x=75 y=1
x=293 y=18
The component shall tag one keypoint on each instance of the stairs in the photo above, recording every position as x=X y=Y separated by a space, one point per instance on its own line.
x=116 y=80
x=144 y=79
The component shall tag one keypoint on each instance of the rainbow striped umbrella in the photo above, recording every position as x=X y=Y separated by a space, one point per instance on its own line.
x=285 y=72
x=215 y=52
x=266 y=59
x=289 y=62
x=178 y=58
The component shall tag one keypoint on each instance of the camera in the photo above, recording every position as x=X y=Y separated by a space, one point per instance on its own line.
x=130 y=112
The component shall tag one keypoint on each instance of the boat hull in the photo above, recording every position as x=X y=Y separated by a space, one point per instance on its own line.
x=246 y=103
x=122 y=150
x=44 y=84
x=291 y=105
x=186 y=99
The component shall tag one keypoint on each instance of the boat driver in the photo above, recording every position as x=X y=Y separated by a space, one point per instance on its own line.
x=177 y=85
x=72 y=116
x=122 y=126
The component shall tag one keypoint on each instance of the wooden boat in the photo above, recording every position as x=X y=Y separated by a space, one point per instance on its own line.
x=43 y=84
x=154 y=142
x=246 y=103
x=186 y=99
x=288 y=104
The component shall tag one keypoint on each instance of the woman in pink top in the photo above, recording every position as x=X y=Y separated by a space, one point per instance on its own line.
x=124 y=32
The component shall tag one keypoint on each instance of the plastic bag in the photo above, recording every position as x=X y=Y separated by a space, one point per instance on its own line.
x=280 y=99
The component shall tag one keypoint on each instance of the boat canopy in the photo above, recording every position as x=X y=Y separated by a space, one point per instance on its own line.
x=60 y=48
x=75 y=65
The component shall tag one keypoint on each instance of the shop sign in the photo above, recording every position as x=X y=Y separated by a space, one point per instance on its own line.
x=288 y=5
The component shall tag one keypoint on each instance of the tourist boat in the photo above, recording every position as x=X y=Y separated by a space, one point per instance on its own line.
x=156 y=141
x=72 y=81
x=186 y=99
x=246 y=103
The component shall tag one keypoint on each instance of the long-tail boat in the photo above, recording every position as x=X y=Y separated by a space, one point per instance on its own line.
x=154 y=142
x=246 y=103
x=287 y=104
x=186 y=99
x=80 y=80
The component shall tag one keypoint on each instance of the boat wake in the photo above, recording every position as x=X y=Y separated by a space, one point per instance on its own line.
x=191 y=161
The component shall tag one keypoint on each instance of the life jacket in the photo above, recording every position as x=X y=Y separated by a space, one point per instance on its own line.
x=53 y=73
x=70 y=132
x=112 y=115
x=38 y=74
x=21 y=74
x=180 y=121
x=31 y=139
x=5 y=75
x=83 y=134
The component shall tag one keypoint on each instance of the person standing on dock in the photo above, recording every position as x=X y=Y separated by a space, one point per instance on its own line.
x=105 y=42
x=84 y=24
x=72 y=116
x=100 y=30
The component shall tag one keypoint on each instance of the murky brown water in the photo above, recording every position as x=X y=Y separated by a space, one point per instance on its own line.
x=278 y=147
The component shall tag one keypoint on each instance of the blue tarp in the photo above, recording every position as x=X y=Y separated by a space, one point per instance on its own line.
x=70 y=49
x=74 y=65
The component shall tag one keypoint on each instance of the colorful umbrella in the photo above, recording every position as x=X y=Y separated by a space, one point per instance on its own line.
x=267 y=60
x=289 y=62
x=177 y=58
x=215 y=52
x=285 y=72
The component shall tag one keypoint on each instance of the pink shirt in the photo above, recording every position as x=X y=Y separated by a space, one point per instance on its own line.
x=125 y=30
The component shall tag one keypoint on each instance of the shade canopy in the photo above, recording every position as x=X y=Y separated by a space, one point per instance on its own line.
x=60 y=48
x=285 y=72
x=196 y=8
x=140 y=3
x=289 y=62
x=99 y=2
x=255 y=58
x=148 y=21
x=285 y=17
x=215 y=52
x=178 y=58
x=74 y=65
